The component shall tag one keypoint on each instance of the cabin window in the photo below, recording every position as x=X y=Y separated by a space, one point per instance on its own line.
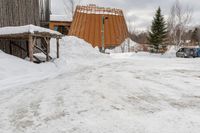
x=56 y=28
x=61 y=29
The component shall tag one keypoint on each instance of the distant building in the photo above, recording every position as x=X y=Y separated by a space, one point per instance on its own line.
x=60 y=23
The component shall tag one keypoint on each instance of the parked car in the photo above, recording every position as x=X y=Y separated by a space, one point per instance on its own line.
x=188 y=52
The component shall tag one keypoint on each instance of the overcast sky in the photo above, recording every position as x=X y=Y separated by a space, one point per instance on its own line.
x=138 y=12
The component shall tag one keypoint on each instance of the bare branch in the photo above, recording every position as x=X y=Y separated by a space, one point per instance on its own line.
x=178 y=21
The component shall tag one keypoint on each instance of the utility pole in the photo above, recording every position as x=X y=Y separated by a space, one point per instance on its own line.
x=103 y=35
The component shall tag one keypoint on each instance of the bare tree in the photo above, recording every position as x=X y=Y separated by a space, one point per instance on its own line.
x=130 y=30
x=178 y=21
x=70 y=6
x=125 y=47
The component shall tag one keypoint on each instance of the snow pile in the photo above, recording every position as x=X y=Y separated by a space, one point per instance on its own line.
x=75 y=49
x=83 y=92
x=116 y=53
x=26 y=29
x=171 y=52
x=136 y=55
x=127 y=45
x=73 y=52
x=13 y=66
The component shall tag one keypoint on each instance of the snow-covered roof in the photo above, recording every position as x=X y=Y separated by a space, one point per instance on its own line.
x=31 y=29
x=65 y=18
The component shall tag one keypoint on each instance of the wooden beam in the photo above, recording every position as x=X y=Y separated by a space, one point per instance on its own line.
x=48 y=49
x=30 y=48
x=49 y=39
x=58 y=48
x=40 y=49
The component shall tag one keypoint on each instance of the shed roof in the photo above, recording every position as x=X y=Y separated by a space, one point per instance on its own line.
x=28 y=29
x=93 y=9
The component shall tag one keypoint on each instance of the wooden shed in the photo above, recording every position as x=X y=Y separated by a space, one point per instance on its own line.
x=102 y=27
x=34 y=38
x=20 y=13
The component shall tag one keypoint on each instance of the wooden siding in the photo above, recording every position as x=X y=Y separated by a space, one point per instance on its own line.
x=19 y=12
x=66 y=24
x=88 y=26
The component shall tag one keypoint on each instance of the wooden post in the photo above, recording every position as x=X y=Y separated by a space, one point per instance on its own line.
x=58 y=48
x=30 y=48
x=27 y=48
x=10 y=47
x=48 y=49
x=48 y=41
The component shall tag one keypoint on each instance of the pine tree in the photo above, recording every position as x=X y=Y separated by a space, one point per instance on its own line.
x=158 y=33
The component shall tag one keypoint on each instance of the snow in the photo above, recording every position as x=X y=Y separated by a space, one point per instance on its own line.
x=88 y=92
x=124 y=47
x=65 y=18
x=26 y=29
x=171 y=52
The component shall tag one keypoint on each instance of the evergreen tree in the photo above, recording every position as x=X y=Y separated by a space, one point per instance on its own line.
x=158 y=33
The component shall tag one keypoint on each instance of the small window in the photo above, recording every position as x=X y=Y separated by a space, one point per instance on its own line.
x=56 y=28
x=181 y=50
x=61 y=29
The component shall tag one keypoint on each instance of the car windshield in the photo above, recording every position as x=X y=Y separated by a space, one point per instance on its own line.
x=181 y=50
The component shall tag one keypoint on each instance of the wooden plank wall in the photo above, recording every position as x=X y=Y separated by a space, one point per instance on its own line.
x=19 y=12
x=13 y=48
x=88 y=26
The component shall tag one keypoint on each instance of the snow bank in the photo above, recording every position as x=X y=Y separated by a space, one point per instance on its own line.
x=16 y=71
x=83 y=92
x=117 y=53
x=73 y=52
x=171 y=52
x=138 y=55
x=124 y=47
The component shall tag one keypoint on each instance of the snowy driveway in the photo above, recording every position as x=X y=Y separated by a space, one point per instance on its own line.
x=115 y=95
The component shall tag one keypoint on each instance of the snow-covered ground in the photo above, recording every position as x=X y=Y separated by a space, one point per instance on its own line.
x=127 y=46
x=87 y=92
